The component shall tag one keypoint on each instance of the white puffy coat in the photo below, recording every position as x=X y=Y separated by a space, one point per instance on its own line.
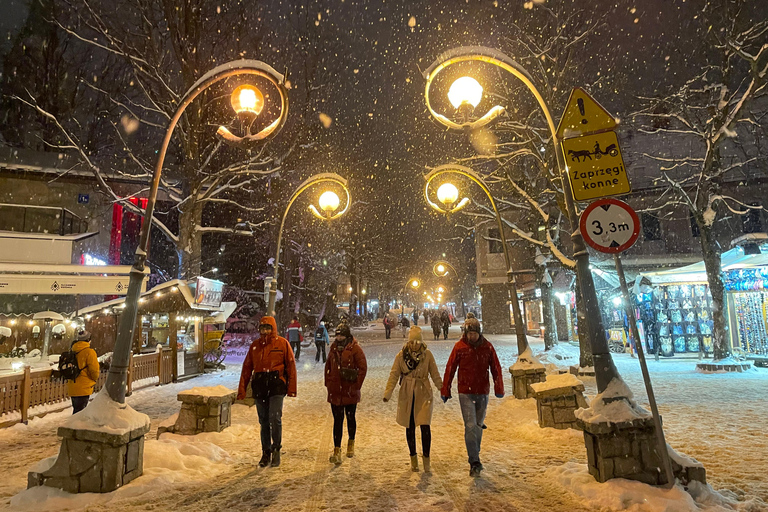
x=415 y=390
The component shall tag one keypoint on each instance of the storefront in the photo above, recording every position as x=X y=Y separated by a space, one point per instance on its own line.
x=677 y=313
x=174 y=314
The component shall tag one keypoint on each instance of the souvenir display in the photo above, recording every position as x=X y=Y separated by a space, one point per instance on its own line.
x=680 y=316
x=751 y=309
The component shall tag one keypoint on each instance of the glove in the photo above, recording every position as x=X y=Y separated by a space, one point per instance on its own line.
x=499 y=395
x=386 y=399
x=445 y=398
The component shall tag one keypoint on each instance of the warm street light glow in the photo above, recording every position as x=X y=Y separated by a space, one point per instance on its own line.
x=328 y=202
x=447 y=194
x=415 y=283
x=441 y=268
x=465 y=90
x=247 y=99
x=440 y=289
x=350 y=289
x=362 y=291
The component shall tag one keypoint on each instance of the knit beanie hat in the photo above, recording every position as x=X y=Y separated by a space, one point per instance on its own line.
x=472 y=324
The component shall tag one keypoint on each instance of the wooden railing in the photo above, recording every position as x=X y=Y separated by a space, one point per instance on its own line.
x=21 y=391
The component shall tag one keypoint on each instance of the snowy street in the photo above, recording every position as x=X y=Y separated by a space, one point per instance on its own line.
x=717 y=419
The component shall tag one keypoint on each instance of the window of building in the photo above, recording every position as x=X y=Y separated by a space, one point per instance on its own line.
x=651 y=227
x=695 y=233
x=494 y=241
x=751 y=221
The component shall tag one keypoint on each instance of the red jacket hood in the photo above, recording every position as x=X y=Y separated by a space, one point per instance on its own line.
x=271 y=321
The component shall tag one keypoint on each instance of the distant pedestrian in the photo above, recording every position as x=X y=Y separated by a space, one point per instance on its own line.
x=436 y=325
x=425 y=314
x=413 y=367
x=404 y=325
x=387 y=326
x=321 y=340
x=81 y=389
x=445 y=321
x=270 y=370
x=415 y=317
x=345 y=372
x=294 y=336
x=473 y=356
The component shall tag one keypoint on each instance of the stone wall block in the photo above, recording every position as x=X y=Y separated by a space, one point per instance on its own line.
x=626 y=466
x=60 y=468
x=563 y=415
x=90 y=480
x=113 y=467
x=82 y=456
x=67 y=484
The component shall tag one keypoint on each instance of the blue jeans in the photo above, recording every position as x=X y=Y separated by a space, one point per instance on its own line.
x=270 y=412
x=473 y=409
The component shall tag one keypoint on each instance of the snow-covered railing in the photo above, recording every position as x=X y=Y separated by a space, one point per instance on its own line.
x=35 y=393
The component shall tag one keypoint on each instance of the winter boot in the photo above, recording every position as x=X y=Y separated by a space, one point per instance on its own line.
x=275 y=458
x=336 y=457
x=351 y=448
x=264 y=462
x=415 y=463
x=427 y=466
x=475 y=469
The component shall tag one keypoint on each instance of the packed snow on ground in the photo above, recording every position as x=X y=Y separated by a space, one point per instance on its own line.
x=559 y=358
x=718 y=419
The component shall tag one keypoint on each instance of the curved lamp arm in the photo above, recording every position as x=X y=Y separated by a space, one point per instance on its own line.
x=445 y=264
x=490 y=56
x=313 y=180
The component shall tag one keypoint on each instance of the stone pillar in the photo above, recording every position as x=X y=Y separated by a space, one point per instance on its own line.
x=557 y=400
x=204 y=409
x=93 y=461
x=496 y=313
x=628 y=450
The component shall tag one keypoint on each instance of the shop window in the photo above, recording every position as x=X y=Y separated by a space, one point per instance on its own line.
x=751 y=221
x=651 y=227
x=494 y=241
x=695 y=233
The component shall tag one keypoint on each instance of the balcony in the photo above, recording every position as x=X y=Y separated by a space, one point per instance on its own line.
x=40 y=219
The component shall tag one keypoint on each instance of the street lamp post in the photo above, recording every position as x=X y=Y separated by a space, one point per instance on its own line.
x=605 y=370
x=448 y=194
x=329 y=202
x=246 y=104
x=442 y=269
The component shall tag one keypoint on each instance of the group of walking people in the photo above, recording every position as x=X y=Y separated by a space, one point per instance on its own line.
x=270 y=369
x=440 y=321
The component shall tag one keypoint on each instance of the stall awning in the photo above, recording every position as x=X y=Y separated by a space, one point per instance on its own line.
x=734 y=259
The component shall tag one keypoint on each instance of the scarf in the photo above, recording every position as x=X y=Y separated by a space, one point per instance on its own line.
x=412 y=359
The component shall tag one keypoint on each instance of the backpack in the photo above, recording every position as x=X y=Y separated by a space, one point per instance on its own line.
x=319 y=335
x=69 y=369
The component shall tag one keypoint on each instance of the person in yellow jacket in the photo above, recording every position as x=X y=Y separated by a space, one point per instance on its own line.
x=80 y=389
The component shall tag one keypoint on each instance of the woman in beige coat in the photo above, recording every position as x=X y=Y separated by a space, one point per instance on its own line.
x=413 y=367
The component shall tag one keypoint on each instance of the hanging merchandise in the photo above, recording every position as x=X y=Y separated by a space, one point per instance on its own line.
x=750 y=308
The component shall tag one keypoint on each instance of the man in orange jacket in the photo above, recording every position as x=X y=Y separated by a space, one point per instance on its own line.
x=81 y=388
x=270 y=369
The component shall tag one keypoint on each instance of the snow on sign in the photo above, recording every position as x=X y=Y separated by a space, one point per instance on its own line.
x=595 y=166
x=583 y=115
x=609 y=225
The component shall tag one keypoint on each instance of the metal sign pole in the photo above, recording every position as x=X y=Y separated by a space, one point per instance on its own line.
x=661 y=442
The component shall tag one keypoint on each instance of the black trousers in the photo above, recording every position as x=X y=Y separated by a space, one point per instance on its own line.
x=445 y=331
x=426 y=437
x=320 y=348
x=387 y=331
x=296 y=346
x=79 y=403
x=339 y=411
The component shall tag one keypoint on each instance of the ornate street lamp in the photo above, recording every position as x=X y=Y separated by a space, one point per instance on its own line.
x=466 y=94
x=247 y=105
x=329 y=203
x=448 y=201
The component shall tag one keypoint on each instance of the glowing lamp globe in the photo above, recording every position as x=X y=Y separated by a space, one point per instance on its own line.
x=465 y=90
x=447 y=193
x=328 y=202
x=247 y=99
x=415 y=283
x=441 y=289
x=441 y=268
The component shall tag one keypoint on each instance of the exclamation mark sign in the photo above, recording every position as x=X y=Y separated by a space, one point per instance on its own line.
x=580 y=102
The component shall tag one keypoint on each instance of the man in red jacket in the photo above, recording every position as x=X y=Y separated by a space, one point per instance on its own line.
x=473 y=355
x=271 y=371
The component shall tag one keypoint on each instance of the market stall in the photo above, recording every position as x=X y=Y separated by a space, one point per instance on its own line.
x=678 y=311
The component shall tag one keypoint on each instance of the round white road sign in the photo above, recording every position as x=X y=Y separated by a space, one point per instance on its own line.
x=609 y=225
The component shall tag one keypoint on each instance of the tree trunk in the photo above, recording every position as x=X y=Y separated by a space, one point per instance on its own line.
x=548 y=310
x=585 y=348
x=189 y=248
x=720 y=339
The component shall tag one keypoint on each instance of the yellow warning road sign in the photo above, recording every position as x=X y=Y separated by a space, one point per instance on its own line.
x=595 y=166
x=583 y=115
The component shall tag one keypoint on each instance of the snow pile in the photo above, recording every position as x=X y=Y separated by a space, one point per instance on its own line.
x=616 y=410
x=526 y=361
x=217 y=391
x=727 y=361
x=105 y=415
x=561 y=356
x=620 y=494
x=557 y=381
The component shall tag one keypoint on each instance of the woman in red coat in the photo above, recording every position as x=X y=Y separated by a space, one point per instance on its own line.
x=344 y=375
